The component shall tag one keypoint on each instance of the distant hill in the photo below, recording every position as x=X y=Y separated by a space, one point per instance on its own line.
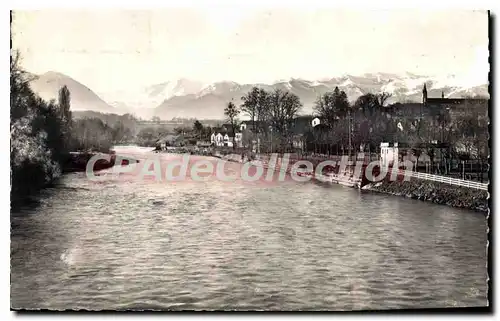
x=108 y=118
x=127 y=120
x=48 y=84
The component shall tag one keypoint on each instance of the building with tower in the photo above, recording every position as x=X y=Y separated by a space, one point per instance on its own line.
x=455 y=106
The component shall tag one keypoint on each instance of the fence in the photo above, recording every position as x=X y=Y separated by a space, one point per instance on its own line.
x=436 y=178
x=449 y=180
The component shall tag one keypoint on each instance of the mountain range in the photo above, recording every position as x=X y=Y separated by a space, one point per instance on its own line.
x=189 y=98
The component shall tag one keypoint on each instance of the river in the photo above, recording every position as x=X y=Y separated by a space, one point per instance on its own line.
x=143 y=244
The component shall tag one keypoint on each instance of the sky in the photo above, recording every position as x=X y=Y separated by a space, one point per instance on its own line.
x=117 y=50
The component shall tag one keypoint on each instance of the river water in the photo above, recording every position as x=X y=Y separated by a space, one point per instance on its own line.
x=141 y=244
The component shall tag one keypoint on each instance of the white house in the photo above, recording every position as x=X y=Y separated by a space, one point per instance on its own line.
x=388 y=154
x=223 y=139
x=227 y=141
x=217 y=139
x=315 y=122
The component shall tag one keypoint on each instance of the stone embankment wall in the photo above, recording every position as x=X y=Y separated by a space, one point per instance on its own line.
x=429 y=191
x=77 y=162
x=435 y=192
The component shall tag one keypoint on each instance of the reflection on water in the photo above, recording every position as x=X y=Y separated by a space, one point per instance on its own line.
x=214 y=245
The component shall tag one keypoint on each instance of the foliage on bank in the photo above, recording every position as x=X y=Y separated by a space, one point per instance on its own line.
x=39 y=131
x=43 y=133
x=92 y=134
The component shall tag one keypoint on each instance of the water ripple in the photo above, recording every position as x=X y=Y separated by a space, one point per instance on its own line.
x=211 y=245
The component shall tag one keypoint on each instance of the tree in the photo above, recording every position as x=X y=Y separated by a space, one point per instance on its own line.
x=263 y=109
x=283 y=108
x=92 y=134
x=198 y=128
x=120 y=132
x=332 y=106
x=65 y=103
x=256 y=106
x=375 y=123
x=472 y=128
x=422 y=140
x=207 y=131
x=367 y=104
x=231 y=113
x=325 y=108
x=147 y=137
x=382 y=98
x=250 y=105
x=65 y=113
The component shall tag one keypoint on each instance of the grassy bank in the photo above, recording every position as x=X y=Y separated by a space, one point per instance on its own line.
x=438 y=193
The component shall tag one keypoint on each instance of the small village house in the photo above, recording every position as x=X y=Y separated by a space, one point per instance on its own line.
x=228 y=142
x=168 y=141
x=222 y=137
x=217 y=139
x=249 y=125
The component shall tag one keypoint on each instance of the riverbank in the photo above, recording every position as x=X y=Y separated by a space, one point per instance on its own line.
x=77 y=162
x=27 y=189
x=434 y=192
x=415 y=188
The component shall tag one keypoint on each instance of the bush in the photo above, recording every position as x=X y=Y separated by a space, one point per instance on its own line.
x=38 y=146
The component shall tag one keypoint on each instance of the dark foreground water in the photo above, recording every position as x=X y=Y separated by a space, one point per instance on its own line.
x=134 y=244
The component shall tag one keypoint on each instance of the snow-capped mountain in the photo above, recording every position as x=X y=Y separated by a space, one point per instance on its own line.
x=151 y=96
x=170 y=89
x=190 y=98
x=211 y=100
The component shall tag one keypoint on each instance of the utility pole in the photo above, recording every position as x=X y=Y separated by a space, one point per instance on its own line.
x=271 y=129
x=349 y=118
x=257 y=142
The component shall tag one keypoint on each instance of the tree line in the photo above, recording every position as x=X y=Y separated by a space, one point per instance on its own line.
x=348 y=127
x=271 y=113
x=42 y=133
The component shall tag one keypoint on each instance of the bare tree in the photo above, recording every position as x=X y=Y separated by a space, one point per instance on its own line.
x=250 y=105
x=325 y=108
x=382 y=98
x=284 y=107
x=232 y=113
